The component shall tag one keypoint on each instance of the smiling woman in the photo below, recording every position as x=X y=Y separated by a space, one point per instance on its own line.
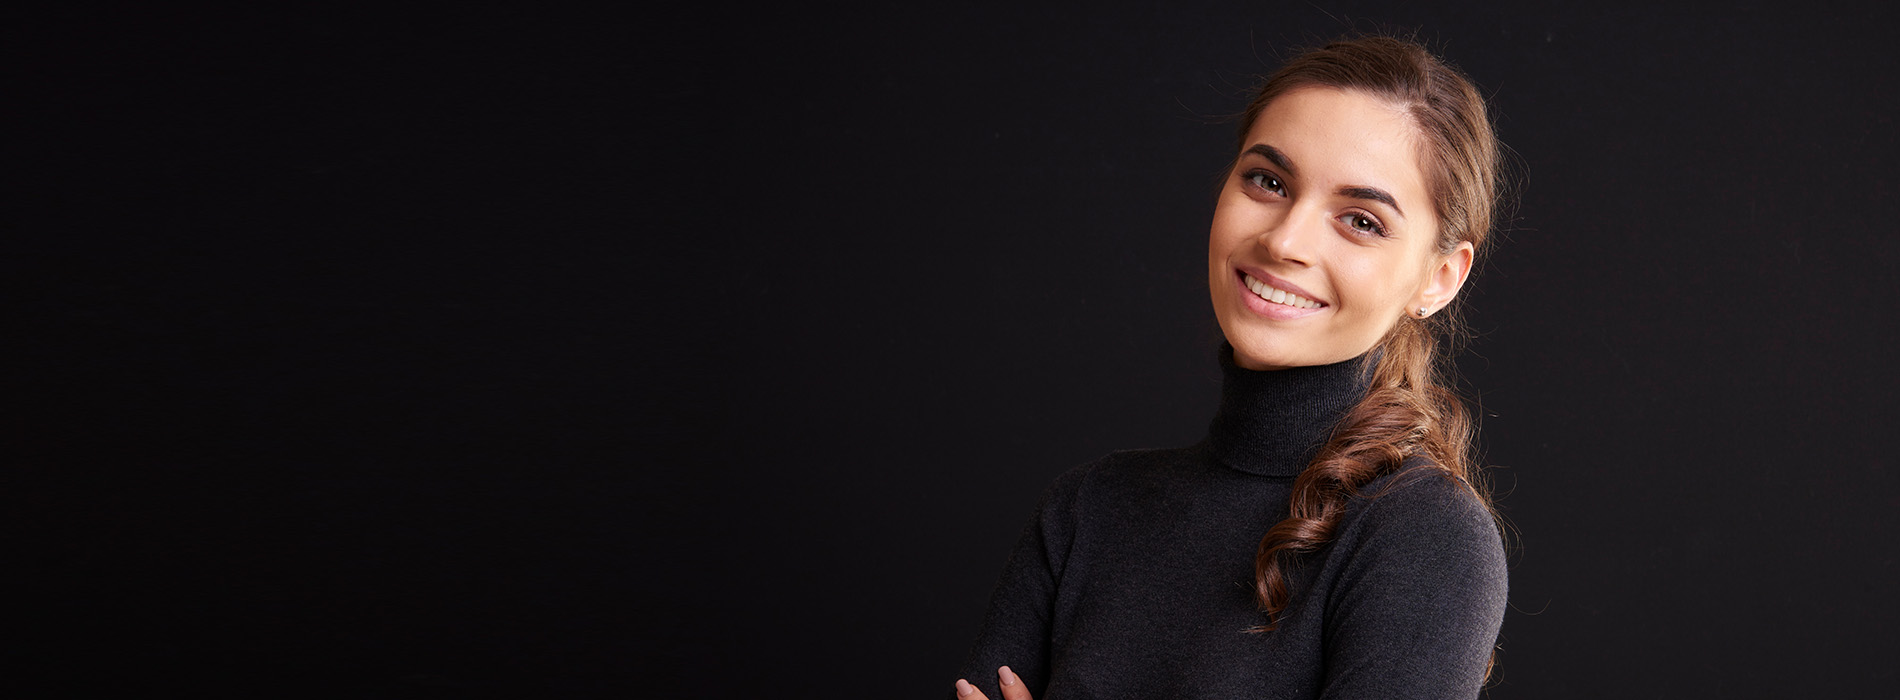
x=1328 y=537
x=1343 y=248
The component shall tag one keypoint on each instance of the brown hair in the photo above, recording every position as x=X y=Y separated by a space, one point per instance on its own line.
x=1408 y=409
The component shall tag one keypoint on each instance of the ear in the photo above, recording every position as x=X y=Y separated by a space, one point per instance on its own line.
x=1444 y=279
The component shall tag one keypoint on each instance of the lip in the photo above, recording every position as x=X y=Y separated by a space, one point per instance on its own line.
x=1269 y=309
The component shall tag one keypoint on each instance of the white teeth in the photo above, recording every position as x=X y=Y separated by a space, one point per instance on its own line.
x=1279 y=296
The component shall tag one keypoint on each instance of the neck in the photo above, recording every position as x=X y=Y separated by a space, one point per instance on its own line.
x=1272 y=422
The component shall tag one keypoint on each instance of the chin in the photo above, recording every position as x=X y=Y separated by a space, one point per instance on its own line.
x=1275 y=353
x=1256 y=354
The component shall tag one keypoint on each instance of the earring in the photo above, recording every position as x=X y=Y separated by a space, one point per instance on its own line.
x=1423 y=312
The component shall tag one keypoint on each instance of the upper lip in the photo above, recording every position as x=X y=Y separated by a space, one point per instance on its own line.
x=1281 y=284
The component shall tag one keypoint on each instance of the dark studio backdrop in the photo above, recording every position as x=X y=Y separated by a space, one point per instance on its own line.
x=526 y=354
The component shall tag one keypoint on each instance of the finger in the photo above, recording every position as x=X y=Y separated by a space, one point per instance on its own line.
x=1013 y=688
x=965 y=691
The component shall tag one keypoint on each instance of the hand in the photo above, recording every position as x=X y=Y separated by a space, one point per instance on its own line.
x=1012 y=687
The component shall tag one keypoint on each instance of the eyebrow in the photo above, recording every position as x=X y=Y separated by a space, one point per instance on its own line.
x=1373 y=193
x=1273 y=154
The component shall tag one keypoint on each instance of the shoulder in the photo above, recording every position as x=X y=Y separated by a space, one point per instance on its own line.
x=1089 y=496
x=1426 y=519
x=1125 y=474
x=1422 y=494
x=1113 y=485
x=1414 y=590
x=1123 y=468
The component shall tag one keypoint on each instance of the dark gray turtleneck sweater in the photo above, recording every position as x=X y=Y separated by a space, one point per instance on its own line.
x=1135 y=578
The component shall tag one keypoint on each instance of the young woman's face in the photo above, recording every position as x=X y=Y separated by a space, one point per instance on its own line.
x=1325 y=233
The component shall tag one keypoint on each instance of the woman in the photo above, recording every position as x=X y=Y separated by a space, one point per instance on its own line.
x=1327 y=538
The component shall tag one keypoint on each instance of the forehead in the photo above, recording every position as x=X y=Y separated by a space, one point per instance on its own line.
x=1346 y=138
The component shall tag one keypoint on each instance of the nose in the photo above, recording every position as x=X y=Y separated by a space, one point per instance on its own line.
x=1295 y=238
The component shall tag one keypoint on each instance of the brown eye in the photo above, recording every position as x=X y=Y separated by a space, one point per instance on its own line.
x=1268 y=183
x=1363 y=224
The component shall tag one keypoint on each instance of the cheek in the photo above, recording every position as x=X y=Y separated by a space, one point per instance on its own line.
x=1232 y=221
x=1220 y=235
x=1374 y=286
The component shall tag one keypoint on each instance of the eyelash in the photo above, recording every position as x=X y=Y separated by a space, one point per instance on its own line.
x=1262 y=174
x=1257 y=177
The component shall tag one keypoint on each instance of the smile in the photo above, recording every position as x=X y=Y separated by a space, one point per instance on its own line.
x=1278 y=296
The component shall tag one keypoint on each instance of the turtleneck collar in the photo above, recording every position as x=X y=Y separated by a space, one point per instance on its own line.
x=1272 y=423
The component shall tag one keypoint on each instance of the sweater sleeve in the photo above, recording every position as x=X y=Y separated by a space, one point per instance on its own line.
x=1416 y=608
x=1017 y=628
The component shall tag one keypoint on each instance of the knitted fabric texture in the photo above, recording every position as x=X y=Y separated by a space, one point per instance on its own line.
x=1134 y=579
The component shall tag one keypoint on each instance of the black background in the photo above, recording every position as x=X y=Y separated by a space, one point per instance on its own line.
x=518 y=353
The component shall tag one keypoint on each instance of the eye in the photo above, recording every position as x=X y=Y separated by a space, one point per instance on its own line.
x=1267 y=181
x=1362 y=223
